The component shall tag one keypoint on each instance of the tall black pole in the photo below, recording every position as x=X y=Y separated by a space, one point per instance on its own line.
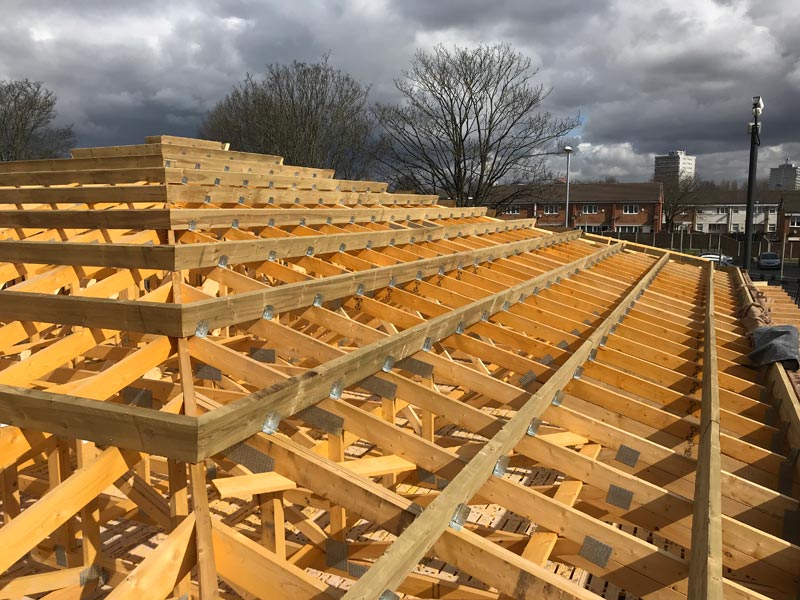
x=755 y=141
x=568 y=151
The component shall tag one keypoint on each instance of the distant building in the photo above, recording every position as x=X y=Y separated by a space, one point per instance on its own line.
x=724 y=211
x=673 y=167
x=785 y=177
x=593 y=207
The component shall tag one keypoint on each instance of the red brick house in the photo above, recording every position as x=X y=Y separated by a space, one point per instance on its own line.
x=789 y=215
x=594 y=207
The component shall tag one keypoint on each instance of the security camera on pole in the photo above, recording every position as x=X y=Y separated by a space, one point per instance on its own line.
x=754 y=129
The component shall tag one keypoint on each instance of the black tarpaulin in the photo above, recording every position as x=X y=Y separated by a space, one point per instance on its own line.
x=775 y=344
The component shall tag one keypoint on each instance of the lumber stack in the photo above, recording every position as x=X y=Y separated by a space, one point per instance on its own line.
x=226 y=377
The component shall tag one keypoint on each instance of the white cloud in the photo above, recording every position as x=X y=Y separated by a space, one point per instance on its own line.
x=591 y=162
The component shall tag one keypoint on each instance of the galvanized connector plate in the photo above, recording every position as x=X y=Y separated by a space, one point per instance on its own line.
x=595 y=551
x=627 y=455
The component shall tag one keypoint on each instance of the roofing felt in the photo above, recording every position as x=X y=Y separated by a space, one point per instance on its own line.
x=366 y=394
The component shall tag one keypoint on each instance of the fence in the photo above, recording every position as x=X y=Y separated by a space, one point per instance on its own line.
x=684 y=241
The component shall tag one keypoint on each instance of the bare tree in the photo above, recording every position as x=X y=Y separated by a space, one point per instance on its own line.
x=311 y=114
x=679 y=196
x=469 y=119
x=27 y=109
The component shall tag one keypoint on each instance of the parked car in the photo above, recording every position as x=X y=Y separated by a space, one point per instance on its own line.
x=769 y=260
x=723 y=260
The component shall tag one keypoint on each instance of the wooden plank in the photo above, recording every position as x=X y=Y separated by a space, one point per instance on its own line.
x=122 y=194
x=186 y=141
x=410 y=547
x=159 y=257
x=181 y=218
x=26 y=585
x=512 y=574
x=57 y=507
x=85 y=219
x=192 y=177
x=268 y=483
x=639 y=565
x=253 y=568
x=250 y=305
x=124 y=315
x=105 y=423
x=151 y=317
x=195 y=256
x=205 y=558
x=234 y=422
x=541 y=543
x=785 y=397
x=483 y=559
x=162 y=568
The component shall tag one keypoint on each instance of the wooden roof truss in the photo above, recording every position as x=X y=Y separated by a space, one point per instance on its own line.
x=226 y=377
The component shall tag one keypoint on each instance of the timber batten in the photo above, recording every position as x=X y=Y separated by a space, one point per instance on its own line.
x=261 y=381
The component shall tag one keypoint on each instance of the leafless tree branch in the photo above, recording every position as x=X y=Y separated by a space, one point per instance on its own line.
x=27 y=109
x=679 y=196
x=469 y=120
x=311 y=114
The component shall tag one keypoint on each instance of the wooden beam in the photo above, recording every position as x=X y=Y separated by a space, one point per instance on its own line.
x=130 y=427
x=253 y=568
x=57 y=507
x=204 y=218
x=410 y=547
x=483 y=559
x=161 y=569
x=195 y=256
x=236 y=421
x=182 y=320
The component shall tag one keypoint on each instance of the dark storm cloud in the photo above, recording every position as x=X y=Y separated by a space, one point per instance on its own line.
x=647 y=77
x=537 y=17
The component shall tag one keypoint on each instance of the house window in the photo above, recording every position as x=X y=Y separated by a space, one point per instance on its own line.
x=630 y=209
x=715 y=228
x=721 y=210
x=698 y=227
x=591 y=228
x=794 y=222
x=590 y=209
x=511 y=210
x=629 y=228
x=772 y=227
x=735 y=227
x=735 y=210
x=772 y=210
x=551 y=209
x=699 y=211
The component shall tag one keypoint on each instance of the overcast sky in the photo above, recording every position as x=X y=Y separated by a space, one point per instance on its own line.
x=647 y=76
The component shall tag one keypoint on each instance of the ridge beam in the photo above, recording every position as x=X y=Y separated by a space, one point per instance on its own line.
x=705 y=567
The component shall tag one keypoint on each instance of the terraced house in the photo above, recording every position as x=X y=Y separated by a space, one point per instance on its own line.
x=593 y=207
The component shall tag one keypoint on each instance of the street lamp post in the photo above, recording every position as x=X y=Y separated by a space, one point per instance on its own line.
x=755 y=142
x=568 y=152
